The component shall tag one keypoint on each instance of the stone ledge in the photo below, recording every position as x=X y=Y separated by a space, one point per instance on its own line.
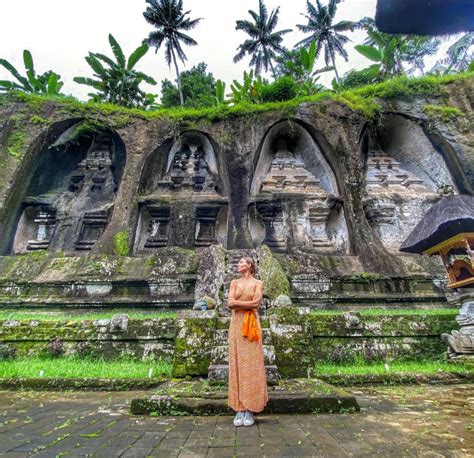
x=200 y=398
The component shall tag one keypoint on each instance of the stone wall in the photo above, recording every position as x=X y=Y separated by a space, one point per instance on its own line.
x=301 y=340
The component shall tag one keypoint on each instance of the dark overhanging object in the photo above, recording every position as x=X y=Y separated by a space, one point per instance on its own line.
x=425 y=17
x=450 y=216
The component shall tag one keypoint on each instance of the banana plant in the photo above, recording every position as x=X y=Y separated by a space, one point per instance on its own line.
x=220 y=93
x=302 y=68
x=116 y=81
x=249 y=91
x=45 y=83
x=383 y=52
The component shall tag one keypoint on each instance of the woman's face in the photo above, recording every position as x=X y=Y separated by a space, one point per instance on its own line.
x=243 y=266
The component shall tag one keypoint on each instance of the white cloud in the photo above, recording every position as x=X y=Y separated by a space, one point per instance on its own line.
x=59 y=33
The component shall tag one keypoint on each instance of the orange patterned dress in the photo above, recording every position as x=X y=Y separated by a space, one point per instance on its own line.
x=247 y=377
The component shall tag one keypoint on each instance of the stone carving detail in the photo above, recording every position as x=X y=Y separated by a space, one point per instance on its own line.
x=183 y=205
x=287 y=174
x=69 y=208
x=395 y=198
x=93 y=225
x=386 y=175
x=189 y=171
x=206 y=219
x=461 y=343
x=275 y=232
x=292 y=203
x=158 y=228
x=45 y=222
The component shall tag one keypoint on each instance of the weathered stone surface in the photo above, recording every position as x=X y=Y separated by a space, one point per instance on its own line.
x=199 y=398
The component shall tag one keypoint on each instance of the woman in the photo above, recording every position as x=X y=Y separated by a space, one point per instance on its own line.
x=248 y=392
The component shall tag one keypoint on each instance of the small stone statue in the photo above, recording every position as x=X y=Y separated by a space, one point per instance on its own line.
x=205 y=303
x=461 y=343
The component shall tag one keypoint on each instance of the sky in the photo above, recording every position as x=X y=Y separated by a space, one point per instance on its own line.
x=60 y=33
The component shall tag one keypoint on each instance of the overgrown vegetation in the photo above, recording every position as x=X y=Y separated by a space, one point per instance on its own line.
x=444 y=113
x=362 y=99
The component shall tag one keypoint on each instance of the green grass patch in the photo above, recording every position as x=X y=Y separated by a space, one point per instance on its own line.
x=417 y=367
x=80 y=367
x=391 y=312
x=444 y=113
x=86 y=316
x=360 y=99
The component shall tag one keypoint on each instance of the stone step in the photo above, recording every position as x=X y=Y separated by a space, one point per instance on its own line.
x=290 y=396
x=220 y=373
x=221 y=336
x=220 y=354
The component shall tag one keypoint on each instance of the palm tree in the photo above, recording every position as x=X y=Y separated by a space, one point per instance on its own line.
x=327 y=35
x=168 y=18
x=263 y=44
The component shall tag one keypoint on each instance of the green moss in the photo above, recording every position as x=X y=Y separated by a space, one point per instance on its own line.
x=38 y=120
x=275 y=282
x=367 y=276
x=16 y=142
x=121 y=243
x=443 y=113
x=360 y=99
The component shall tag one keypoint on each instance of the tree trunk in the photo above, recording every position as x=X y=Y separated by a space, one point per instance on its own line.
x=178 y=77
x=273 y=70
x=331 y=51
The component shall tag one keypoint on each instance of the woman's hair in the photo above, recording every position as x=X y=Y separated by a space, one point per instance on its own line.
x=253 y=266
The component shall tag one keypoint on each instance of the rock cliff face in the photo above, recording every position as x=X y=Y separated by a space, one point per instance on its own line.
x=331 y=193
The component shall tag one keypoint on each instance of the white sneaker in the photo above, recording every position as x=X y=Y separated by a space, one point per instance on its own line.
x=248 y=418
x=239 y=419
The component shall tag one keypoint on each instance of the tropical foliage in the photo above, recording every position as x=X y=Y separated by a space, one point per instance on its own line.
x=396 y=54
x=170 y=22
x=198 y=87
x=249 y=91
x=328 y=36
x=459 y=56
x=299 y=65
x=45 y=83
x=264 y=43
x=117 y=81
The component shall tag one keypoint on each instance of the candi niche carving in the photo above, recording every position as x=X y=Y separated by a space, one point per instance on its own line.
x=70 y=194
x=183 y=198
x=401 y=183
x=295 y=202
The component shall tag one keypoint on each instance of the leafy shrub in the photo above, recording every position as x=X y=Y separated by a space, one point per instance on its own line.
x=356 y=78
x=281 y=89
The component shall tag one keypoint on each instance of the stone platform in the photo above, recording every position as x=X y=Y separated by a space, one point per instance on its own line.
x=198 y=397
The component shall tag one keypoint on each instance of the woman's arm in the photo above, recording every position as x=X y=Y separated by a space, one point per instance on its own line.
x=246 y=305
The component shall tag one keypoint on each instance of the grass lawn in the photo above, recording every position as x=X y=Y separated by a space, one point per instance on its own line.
x=80 y=316
x=76 y=367
x=391 y=312
x=417 y=367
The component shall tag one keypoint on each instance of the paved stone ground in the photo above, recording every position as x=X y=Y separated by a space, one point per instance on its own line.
x=421 y=421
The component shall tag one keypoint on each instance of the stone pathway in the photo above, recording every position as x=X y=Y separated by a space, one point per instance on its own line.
x=418 y=421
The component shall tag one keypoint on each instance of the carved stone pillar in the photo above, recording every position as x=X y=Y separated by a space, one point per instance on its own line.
x=158 y=227
x=45 y=222
x=318 y=219
x=93 y=225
